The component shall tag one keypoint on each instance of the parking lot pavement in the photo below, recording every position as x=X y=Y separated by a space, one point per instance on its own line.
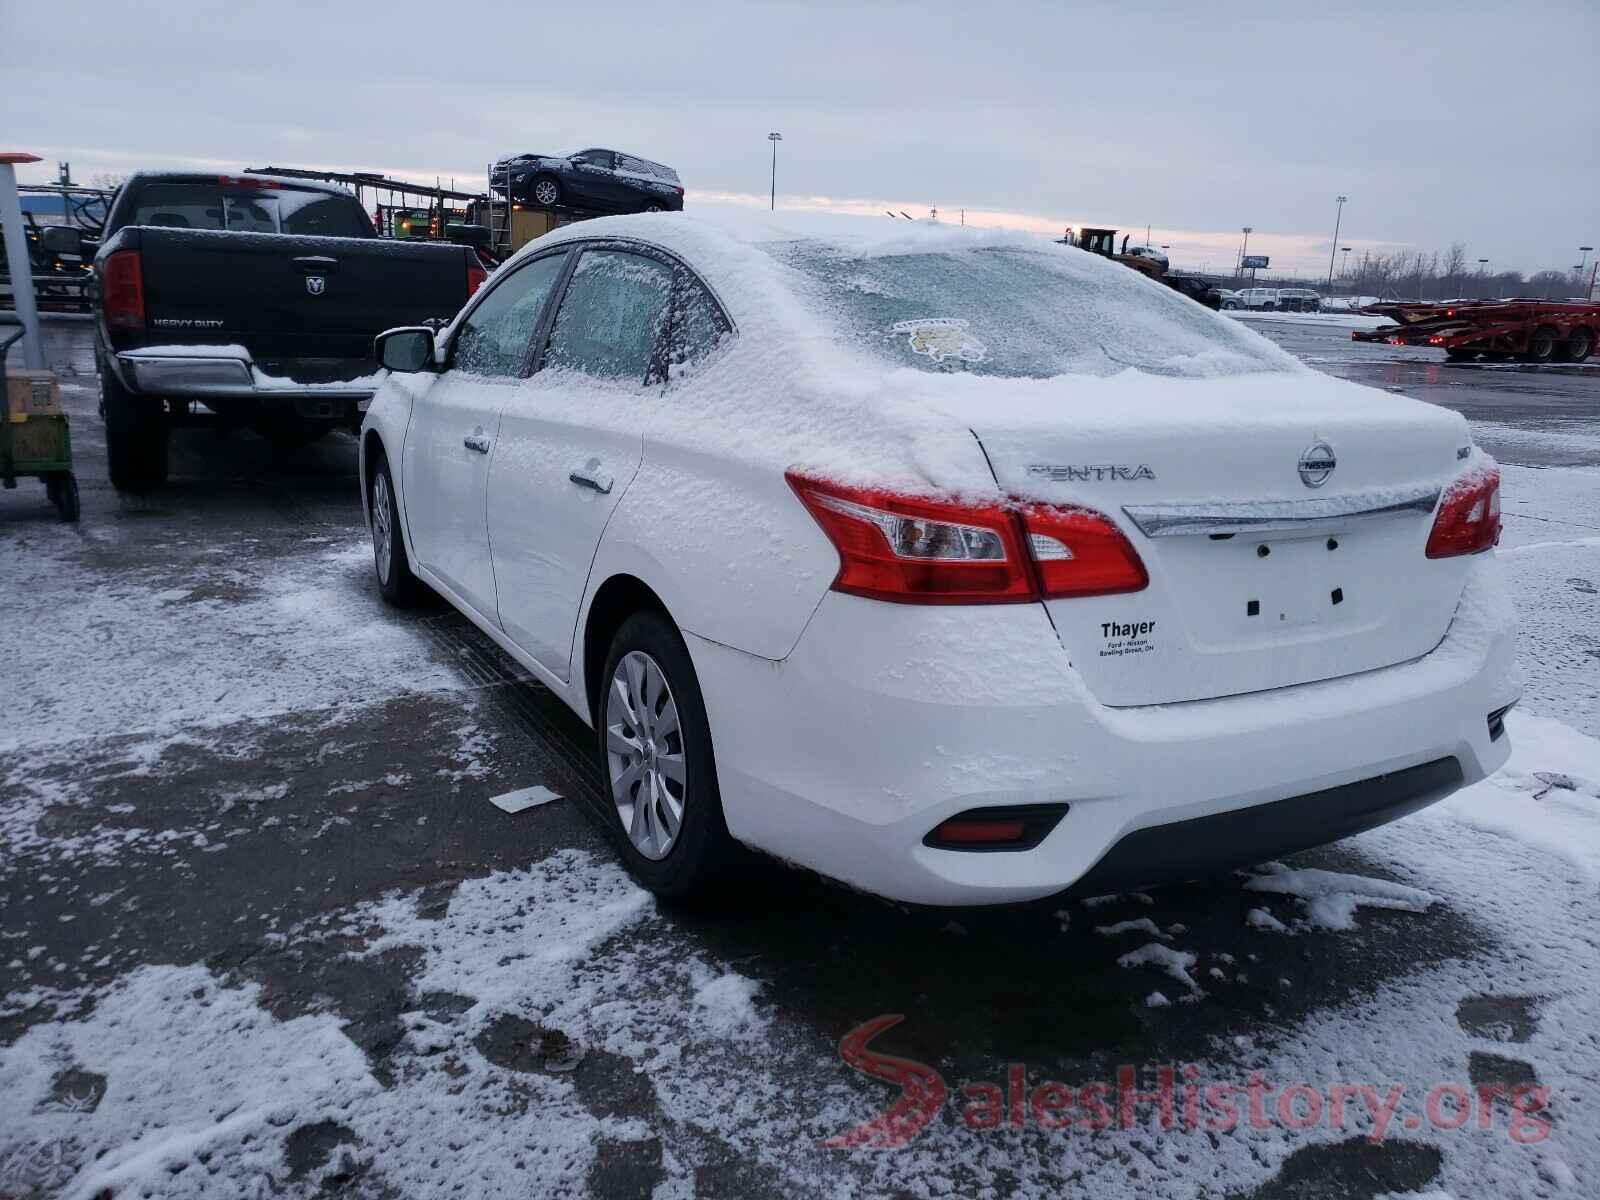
x=263 y=932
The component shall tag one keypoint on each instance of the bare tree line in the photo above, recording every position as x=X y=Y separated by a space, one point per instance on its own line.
x=1452 y=275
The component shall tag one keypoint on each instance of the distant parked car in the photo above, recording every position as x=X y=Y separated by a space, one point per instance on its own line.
x=1298 y=300
x=1196 y=289
x=1231 y=299
x=1260 y=298
x=599 y=179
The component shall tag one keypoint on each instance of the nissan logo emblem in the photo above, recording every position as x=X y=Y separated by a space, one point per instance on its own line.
x=1316 y=464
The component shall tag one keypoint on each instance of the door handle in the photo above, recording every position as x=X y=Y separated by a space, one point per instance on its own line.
x=477 y=441
x=591 y=476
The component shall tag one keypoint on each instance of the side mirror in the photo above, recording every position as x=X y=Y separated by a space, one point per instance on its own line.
x=466 y=235
x=62 y=239
x=409 y=348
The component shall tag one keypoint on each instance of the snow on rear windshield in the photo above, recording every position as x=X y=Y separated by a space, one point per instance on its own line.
x=1018 y=311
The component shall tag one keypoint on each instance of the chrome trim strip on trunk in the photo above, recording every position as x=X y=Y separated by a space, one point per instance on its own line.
x=1329 y=513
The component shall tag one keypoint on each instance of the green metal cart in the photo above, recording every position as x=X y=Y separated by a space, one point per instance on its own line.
x=37 y=444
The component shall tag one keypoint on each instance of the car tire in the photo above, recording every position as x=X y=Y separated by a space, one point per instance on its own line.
x=653 y=207
x=1541 y=345
x=545 y=191
x=396 y=583
x=1578 y=346
x=136 y=436
x=651 y=725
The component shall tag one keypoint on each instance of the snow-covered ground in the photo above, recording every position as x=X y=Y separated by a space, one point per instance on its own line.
x=555 y=1033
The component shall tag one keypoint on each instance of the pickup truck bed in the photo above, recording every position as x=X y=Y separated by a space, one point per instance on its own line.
x=265 y=323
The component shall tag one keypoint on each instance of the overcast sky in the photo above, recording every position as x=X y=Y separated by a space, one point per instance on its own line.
x=1468 y=121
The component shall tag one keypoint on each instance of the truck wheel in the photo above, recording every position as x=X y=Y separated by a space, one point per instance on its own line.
x=395 y=581
x=1577 y=347
x=1541 y=345
x=546 y=192
x=136 y=437
x=658 y=770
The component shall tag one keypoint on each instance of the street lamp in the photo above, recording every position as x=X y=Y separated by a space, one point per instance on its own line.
x=1337 y=217
x=1344 y=263
x=774 y=138
x=1585 y=261
x=1244 y=248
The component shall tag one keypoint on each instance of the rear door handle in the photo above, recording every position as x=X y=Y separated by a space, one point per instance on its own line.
x=591 y=476
x=478 y=441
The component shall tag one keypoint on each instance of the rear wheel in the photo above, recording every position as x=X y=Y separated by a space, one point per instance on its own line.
x=659 y=772
x=546 y=191
x=136 y=436
x=395 y=580
x=1541 y=345
x=1578 y=346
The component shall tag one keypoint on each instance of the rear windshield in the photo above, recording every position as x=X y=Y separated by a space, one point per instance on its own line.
x=278 y=209
x=1019 y=312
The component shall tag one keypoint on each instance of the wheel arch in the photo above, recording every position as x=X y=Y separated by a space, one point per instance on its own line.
x=615 y=600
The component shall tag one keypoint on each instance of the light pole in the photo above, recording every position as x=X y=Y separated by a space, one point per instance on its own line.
x=1337 y=217
x=1244 y=248
x=1344 y=263
x=1483 y=269
x=774 y=138
x=1585 y=261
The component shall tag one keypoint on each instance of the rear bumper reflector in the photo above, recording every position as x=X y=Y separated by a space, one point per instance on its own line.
x=1012 y=827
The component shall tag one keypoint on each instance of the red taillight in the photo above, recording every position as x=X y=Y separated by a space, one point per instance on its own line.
x=1078 y=552
x=918 y=551
x=475 y=274
x=915 y=551
x=122 y=291
x=1468 y=521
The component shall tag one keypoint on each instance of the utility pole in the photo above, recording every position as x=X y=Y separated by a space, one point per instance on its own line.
x=1337 y=217
x=774 y=138
x=1244 y=249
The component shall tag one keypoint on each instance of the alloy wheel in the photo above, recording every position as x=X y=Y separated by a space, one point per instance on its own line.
x=382 y=523
x=546 y=192
x=645 y=755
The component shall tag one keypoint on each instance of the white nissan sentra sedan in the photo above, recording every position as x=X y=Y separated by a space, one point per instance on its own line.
x=961 y=566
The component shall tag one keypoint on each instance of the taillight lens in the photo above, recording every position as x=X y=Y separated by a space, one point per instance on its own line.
x=918 y=551
x=915 y=551
x=1078 y=552
x=122 y=291
x=476 y=275
x=1468 y=521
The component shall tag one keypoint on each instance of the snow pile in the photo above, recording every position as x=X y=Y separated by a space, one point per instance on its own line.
x=1174 y=962
x=1331 y=898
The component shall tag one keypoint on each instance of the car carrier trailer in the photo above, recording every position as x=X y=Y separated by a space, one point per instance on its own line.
x=1529 y=330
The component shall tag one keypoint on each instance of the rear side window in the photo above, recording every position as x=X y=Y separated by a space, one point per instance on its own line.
x=698 y=327
x=611 y=318
x=494 y=337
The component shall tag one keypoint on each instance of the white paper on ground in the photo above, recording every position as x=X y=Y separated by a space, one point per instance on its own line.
x=523 y=798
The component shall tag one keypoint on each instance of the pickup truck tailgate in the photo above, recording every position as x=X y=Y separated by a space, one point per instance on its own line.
x=287 y=297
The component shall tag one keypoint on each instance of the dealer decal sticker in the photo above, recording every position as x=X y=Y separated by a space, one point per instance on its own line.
x=1122 y=639
x=942 y=337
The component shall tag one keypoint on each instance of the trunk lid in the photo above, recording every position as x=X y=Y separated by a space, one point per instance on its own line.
x=1282 y=519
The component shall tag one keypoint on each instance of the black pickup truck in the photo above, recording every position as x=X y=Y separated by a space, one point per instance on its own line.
x=249 y=300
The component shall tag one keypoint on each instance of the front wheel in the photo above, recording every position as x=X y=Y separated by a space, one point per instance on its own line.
x=659 y=771
x=396 y=583
x=1541 y=345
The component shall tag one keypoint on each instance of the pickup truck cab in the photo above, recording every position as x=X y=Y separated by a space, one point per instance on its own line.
x=249 y=300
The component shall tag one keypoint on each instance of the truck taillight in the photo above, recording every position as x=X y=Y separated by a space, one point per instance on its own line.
x=476 y=275
x=122 y=291
x=1468 y=521
x=914 y=551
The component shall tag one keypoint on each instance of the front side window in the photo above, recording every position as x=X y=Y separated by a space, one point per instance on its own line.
x=611 y=318
x=495 y=336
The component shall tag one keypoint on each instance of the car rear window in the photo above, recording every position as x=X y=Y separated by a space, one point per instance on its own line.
x=1018 y=312
x=282 y=209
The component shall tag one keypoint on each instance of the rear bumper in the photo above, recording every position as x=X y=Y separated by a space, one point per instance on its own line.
x=235 y=377
x=886 y=720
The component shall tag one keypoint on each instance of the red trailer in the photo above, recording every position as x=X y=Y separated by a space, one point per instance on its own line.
x=1530 y=330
